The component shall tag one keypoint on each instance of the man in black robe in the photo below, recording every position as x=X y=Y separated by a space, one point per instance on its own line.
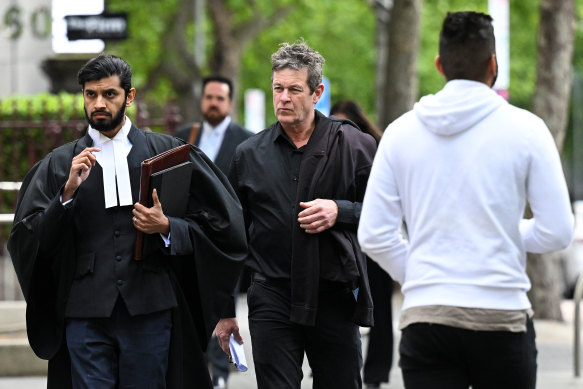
x=101 y=318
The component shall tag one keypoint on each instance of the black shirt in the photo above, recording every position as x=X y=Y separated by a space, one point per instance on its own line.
x=268 y=198
x=271 y=176
x=266 y=181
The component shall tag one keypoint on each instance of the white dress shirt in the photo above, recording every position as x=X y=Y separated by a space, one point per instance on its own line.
x=212 y=137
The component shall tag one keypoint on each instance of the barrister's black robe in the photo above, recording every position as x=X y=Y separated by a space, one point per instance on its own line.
x=203 y=281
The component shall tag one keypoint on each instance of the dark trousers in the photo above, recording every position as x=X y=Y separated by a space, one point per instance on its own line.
x=379 y=354
x=121 y=351
x=436 y=356
x=332 y=346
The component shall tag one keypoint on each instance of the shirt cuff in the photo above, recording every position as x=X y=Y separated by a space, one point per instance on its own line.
x=166 y=239
x=66 y=202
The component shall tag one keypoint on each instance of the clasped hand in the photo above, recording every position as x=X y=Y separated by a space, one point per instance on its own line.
x=318 y=215
x=151 y=220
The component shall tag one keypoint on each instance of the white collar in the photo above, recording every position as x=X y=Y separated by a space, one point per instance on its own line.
x=99 y=138
x=220 y=128
x=113 y=161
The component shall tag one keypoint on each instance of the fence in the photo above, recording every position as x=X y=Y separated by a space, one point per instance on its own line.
x=28 y=131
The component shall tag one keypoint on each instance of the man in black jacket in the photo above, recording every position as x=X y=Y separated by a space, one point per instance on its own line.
x=301 y=183
x=218 y=135
x=101 y=318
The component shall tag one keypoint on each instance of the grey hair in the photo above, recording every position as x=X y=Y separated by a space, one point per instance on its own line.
x=297 y=57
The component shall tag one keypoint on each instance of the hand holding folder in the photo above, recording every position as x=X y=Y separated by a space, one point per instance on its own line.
x=168 y=172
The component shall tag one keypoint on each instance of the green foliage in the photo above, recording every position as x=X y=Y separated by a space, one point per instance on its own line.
x=43 y=106
x=30 y=124
x=432 y=15
x=342 y=31
x=523 y=26
x=29 y=130
x=147 y=22
x=578 y=55
x=524 y=19
x=34 y=125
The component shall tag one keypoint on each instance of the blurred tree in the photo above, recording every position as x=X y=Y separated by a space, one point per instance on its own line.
x=163 y=30
x=162 y=36
x=556 y=37
x=397 y=43
x=341 y=30
x=382 y=10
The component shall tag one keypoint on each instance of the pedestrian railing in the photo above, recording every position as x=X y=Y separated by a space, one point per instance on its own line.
x=9 y=287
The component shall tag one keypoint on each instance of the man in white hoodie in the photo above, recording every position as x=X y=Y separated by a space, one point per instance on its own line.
x=459 y=169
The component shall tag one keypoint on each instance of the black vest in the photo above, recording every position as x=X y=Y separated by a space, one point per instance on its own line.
x=104 y=243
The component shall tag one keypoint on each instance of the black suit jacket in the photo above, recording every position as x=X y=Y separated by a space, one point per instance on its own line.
x=234 y=135
x=104 y=242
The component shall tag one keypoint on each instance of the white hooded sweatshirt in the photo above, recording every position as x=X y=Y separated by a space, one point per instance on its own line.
x=459 y=169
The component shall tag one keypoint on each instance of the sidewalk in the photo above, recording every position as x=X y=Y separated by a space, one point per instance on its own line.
x=554 y=341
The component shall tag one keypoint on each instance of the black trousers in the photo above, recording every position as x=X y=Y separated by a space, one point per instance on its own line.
x=120 y=352
x=332 y=346
x=436 y=356
x=379 y=354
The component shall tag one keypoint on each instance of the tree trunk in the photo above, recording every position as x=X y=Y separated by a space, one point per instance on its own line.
x=399 y=91
x=551 y=102
x=382 y=11
x=231 y=38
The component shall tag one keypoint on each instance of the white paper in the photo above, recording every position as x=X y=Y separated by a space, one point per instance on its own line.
x=238 y=354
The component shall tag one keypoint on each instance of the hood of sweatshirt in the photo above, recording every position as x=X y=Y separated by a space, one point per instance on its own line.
x=460 y=105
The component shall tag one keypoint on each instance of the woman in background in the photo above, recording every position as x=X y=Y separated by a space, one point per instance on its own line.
x=379 y=355
x=348 y=109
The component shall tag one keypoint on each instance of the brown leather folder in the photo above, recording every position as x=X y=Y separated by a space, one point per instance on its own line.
x=157 y=163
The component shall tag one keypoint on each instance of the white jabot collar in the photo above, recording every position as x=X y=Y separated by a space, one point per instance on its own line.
x=113 y=161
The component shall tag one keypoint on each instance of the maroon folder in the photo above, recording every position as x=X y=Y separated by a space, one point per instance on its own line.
x=157 y=163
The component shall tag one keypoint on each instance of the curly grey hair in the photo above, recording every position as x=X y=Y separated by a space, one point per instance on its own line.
x=297 y=57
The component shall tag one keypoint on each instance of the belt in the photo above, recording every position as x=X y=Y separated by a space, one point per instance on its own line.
x=324 y=285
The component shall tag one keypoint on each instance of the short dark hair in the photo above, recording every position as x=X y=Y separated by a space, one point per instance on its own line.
x=222 y=80
x=466 y=44
x=106 y=65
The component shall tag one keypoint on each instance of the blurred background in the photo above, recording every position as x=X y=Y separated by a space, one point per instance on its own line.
x=379 y=53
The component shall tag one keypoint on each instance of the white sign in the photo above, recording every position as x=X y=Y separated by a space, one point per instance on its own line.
x=324 y=104
x=255 y=110
x=25 y=41
x=62 y=8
